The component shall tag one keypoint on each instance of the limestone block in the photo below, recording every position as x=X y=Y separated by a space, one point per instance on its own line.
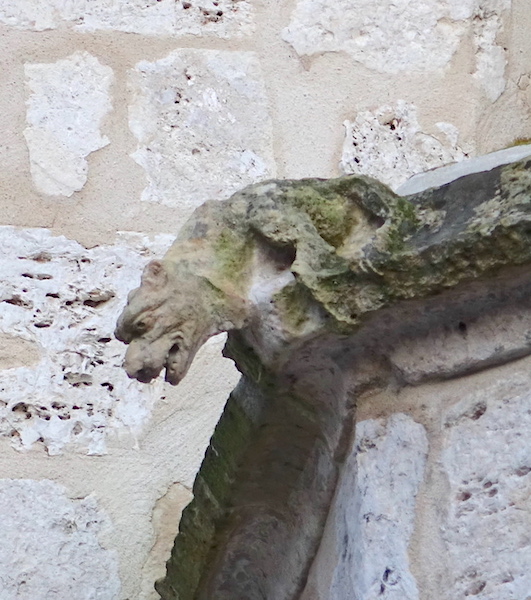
x=379 y=510
x=487 y=459
x=222 y=18
x=50 y=546
x=388 y=144
x=373 y=516
x=68 y=103
x=391 y=36
x=134 y=16
x=37 y=15
x=386 y=36
x=65 y=298
x=202 y=124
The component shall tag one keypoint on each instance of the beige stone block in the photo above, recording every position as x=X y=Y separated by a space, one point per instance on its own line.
x=165 y=521
x=16 y=351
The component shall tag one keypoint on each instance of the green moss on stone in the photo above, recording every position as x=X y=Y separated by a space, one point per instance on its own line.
x=232 y=251
x=212 y=489
x=519 y=141
x=327 y=210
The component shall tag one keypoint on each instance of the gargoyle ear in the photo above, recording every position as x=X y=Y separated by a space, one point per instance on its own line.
x=155 y=275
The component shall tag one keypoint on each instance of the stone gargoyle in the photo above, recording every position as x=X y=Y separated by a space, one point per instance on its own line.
x=287 y=259
x=310 y=278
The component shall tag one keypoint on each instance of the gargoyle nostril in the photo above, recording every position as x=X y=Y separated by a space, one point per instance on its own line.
x=175 y=348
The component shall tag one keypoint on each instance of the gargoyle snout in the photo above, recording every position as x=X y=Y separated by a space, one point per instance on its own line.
x=122 y=332
x=120 y=335
x=143 y=362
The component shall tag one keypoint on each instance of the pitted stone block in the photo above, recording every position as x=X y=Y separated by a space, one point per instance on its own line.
x=201 y=120
x=220 y=18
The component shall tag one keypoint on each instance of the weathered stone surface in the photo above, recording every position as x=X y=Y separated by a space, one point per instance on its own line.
x=389 y=145
x=271 y=459
x=63 y=299
x=487 y=459
x=379 y=36
x=364 y=553
x=221 y=18
x=201 y=120
x=404 y=36
x=27 y=14
x=50 y=546
x=310 y=278
x=473 y=339
x=339 y=249
x=68 y=103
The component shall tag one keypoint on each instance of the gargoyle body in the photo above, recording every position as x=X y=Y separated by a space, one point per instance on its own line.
x=302 y=270
x=235 y=264
x=285 y=259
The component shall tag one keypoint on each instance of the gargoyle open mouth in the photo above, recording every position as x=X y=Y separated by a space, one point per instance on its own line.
x=144 y=375
x=176 y=363
x=144 y=361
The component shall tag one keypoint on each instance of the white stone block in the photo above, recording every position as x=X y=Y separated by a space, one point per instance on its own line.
x=50 y=547
x=364 y=550
x=387 y=36
x=405 y=35
x=134 y=16
x=487 y=459
x=389 y=145
x=68 y=102
x=221 y=18
x=37 y=15
x=202 y=123
x=385 y=473
x=66 y=299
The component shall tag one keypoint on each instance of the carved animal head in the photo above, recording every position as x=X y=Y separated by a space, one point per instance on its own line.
x=169 y=317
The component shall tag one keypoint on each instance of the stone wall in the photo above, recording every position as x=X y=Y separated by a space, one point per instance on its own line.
x=434 y=499
x=118 y=119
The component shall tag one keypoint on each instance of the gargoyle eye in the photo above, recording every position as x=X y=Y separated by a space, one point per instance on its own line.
x=141 y=327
